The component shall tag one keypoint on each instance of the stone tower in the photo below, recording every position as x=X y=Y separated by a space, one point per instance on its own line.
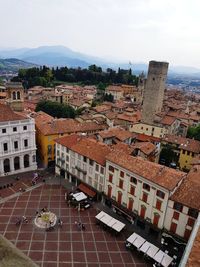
x=15 y=96
x=154 y=90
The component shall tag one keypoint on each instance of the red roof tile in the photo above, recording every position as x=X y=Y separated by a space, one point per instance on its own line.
x=184 y=143
x=119 y=133
x=87 y=147
x=7 y=114
x=194 y=259
x=167 y=120
x=188 y=192
x=166 y=177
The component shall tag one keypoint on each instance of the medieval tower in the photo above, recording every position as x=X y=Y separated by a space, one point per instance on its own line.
x=154 y=90
x=15 y=96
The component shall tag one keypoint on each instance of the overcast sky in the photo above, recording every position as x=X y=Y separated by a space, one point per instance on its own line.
x=128 y=30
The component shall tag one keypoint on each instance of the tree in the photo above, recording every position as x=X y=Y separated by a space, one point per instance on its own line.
x=108 y=97
x=194 y=132
x=56 y=109
x=167 y=155
x=46 y=76
x=101 y=86
x=95 y=68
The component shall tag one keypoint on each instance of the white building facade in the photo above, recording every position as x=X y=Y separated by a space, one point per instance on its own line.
x=180 y=219
x=140 y=196
x=142 y=188
x=81 y=161
x=17 y=146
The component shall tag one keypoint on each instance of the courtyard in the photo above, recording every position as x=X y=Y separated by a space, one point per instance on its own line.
x=66 y=245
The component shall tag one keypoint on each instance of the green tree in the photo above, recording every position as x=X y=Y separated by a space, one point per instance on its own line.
x=101 y=86
x=95 y=68
x=56 y=109
x=167 y=155
x=194 y=132
x=108 y=97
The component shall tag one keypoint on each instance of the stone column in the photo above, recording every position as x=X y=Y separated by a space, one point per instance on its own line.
x=12 y=169
x=21 y=162
x=1 y=168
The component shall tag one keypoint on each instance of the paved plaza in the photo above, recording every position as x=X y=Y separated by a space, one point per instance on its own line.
x=66 y=246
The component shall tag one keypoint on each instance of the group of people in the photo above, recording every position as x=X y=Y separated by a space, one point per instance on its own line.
x=50 y=225
x=80 y=225
x=38 y=214
x=23 y=219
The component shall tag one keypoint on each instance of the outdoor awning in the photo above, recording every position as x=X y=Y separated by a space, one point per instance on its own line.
x=132 y=238
x=138 y=242
x=110 y=221
x=86 y=190
x=80 y=196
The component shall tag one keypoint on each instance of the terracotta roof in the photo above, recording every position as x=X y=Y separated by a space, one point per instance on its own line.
x=194 y=118
x=178 y=115
x=111 y=115
x=99 y=119
x=184 y=143
x=29 y=105
x=87 y=147
x=102 y=108
x=90 y=126
x=57 y=126
x=147 y=138
x=146 y=147
x=126 y=117
x=165 y=177
x=188 y=192
x=77 y=102
x=128 y=149
x=194 y=258
x=49 y=126
x=120 y=104
x=119 y=133
x=114 y=88
x=7 y=114
x=41 y=117
x=167 y=120
x=68 y=140
x=86 y=117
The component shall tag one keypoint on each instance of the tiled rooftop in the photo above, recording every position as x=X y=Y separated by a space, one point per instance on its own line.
x=146 y=147
x=188 y=191
x=194 y=259
x=7 y=114
x=167 y=120
x=184 y=143
x=163 y=176
x=119 y=133
x=49 y=126
x=87 y=147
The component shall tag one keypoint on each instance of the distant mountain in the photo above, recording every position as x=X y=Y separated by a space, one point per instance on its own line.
x=12 y=53
x=184 y=70
x=52 y=56
x=63 y=56
x=13 y=64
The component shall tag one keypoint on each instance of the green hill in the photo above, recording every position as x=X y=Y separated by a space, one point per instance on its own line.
x=13 y=64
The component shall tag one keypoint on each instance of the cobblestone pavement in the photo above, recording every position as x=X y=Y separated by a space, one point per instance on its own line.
x=66 y=246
